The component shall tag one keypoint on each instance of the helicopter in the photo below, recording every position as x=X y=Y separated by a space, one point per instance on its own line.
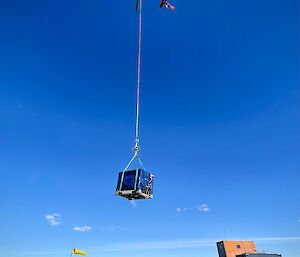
x=163 y=3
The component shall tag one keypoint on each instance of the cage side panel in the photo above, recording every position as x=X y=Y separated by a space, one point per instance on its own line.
x=146 y=182
x=119 y=181
x=129 y=180
x=151 y=178
x=137 y=179
x=140 y=181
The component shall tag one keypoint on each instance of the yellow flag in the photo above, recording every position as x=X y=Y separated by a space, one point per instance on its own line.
x=77 y=251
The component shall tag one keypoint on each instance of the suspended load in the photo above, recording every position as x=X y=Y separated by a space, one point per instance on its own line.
x=138 y=183
x=135 y=184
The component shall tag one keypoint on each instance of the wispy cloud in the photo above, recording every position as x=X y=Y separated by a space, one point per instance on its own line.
x=172 y=244
x=179 y=209
x=278 y=239
x=111 y=229
x=298 y=220
x=185 y=244
x=202 y=208
x=133 y=203
x=53 y=219
x=83 y=229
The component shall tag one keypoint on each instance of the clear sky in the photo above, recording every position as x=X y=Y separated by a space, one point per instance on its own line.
x=219 y=126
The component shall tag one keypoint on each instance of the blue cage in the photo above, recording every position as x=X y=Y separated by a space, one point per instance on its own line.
x=135 y=184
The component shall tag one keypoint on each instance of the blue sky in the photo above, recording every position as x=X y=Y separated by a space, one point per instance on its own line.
x=219 y=126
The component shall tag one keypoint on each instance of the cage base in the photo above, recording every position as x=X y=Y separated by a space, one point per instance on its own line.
x=134 y=195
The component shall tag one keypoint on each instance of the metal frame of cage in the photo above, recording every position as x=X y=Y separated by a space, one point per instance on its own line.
x=142 y=187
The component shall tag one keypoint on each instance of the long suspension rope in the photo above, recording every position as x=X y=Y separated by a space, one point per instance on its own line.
x=136 y=147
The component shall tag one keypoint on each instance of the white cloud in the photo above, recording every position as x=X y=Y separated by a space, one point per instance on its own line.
x=203 y=208
x=133 y=203
x=53 y=219
x=111 y=229
x=83 y=229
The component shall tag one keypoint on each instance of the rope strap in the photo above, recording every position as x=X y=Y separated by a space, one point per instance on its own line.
x=135 y=156
x=127 y=166
x=136 y=147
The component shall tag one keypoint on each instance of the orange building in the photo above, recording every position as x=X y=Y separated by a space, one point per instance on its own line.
x=233 y=248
